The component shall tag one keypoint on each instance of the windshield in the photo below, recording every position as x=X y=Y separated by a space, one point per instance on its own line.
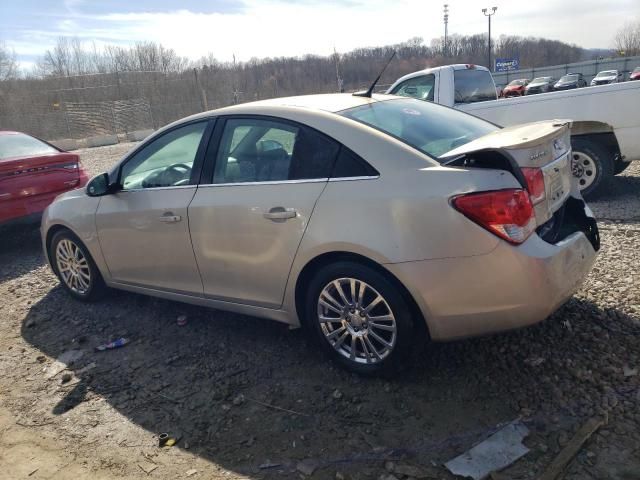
x=636 y=70
x=541 y=80
x=21 y=145
x=430 y=128
x=608 y=73
x=569 y=78
x=516 y=83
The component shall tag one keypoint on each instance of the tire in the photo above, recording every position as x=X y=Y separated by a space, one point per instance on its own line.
x=378 y=349
x=82 y=279
x=591 y=165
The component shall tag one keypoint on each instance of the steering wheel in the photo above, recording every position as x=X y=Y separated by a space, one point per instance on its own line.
x=177 y=169
x=174 y=175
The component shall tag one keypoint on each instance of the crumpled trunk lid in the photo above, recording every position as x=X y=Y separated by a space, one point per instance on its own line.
x=543 y=145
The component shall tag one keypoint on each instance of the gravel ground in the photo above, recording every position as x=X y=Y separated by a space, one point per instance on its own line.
x=250 y=399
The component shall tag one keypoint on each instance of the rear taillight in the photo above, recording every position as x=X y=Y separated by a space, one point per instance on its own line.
x=506 y=213
x=535 y=184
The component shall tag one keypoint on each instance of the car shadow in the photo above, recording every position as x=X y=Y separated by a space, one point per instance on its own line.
x=20 y=250
x=256 y=398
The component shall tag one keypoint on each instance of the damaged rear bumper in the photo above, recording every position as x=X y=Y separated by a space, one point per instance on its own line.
x=510 y=287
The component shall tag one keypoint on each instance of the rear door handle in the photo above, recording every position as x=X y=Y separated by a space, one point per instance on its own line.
x=280 y=213
x=169 y=217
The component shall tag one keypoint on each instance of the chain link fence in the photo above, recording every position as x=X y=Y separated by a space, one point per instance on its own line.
x=116 y=104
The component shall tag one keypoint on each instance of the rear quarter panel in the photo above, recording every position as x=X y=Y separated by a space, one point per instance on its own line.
x=399 y=217
x=29 y=185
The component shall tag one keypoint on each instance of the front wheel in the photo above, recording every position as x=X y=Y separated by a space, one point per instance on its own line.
x=359 y=317
x=75 y=268
x=591 y=165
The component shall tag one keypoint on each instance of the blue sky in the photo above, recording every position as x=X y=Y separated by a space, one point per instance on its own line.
x=261 y=28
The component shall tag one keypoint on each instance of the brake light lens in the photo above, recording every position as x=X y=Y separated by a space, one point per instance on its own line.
x=535 y=184
x=506 y=213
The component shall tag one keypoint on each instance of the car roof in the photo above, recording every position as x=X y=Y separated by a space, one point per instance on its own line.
x=10 y=132
x=328 y=102
x=321 y=104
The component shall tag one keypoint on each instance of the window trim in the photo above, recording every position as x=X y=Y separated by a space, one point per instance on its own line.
x=196 y=169
x=211 y=156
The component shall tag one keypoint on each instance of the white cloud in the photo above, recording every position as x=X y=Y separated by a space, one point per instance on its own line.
x=279 y=28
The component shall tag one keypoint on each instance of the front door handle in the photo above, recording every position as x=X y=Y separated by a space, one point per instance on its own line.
x=280 y=213
x=169 y=217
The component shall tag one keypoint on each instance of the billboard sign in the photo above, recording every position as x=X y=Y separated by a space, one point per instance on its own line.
x=507 y=64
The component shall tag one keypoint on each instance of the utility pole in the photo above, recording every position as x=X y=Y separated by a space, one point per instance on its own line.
x=489 y=15
x=339 y=80
x=446 y=29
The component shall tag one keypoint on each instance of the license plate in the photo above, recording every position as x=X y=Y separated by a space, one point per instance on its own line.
x=557 y=181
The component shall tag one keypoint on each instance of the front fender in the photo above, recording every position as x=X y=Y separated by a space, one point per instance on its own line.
x=74 y=211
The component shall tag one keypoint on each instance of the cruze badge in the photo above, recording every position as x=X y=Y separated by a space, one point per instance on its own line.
x=537 y=155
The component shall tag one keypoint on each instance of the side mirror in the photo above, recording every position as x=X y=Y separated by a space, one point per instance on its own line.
x=99 y=186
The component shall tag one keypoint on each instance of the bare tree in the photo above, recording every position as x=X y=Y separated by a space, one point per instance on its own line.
x=8 y=63
x=627 y=39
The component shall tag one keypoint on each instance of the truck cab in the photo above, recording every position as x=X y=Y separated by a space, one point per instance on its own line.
x=451 y=85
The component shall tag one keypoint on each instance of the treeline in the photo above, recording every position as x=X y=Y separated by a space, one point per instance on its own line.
x=175 y=86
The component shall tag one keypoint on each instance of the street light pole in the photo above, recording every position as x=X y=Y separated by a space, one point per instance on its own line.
x=489 y=15
x=446 y=29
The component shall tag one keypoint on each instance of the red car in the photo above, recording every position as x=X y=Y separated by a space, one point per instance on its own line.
x=516 y=88
x=635 y=75
x=32 y=174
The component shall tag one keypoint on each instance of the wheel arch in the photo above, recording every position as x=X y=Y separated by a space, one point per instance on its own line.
x=599 y=132
x=313 y=265
x=53 y=229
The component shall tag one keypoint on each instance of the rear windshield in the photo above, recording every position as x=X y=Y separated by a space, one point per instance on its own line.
x=473 y=85
x=569 y=78
x=541 y=80
x=21 y=145
x=430 y=128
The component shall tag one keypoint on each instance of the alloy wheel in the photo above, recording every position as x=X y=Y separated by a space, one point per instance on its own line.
x=73 y=266
x=357 y=321
x=584 y=169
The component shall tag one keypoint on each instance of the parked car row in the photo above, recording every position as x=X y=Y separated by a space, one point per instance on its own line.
x=524 y=86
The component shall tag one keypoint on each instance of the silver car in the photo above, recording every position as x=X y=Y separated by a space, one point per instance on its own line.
x=377 y=223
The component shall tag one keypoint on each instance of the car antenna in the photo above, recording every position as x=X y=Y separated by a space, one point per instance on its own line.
x=369 y=92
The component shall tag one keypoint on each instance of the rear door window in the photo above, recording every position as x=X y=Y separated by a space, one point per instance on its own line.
x=265 y=150
x=472 y=85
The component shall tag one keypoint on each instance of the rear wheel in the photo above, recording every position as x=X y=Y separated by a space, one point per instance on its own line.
x=75 y=268
x=359 y=317
x=591 y=165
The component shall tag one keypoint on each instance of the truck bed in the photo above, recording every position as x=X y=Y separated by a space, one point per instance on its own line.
x=617 y=105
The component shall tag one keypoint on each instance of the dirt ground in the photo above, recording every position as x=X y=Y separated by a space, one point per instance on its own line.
x=248 y=398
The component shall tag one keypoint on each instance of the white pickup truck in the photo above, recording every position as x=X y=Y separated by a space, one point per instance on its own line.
x=605 y=134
